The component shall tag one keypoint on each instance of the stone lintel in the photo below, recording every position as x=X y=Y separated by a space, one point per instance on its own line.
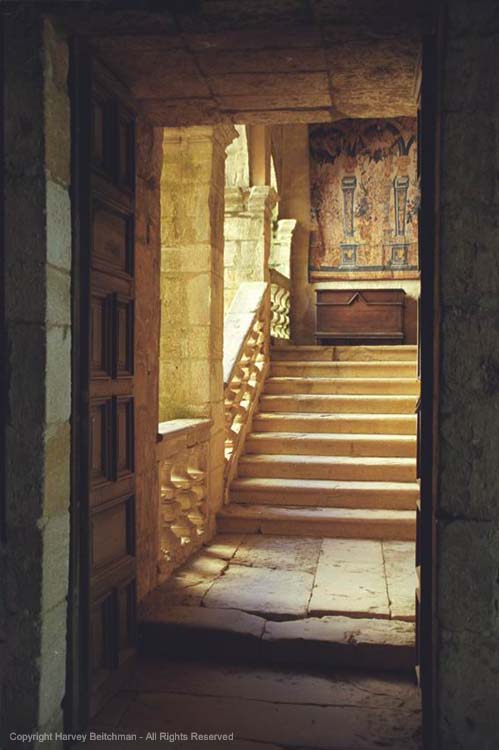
x=222 y=134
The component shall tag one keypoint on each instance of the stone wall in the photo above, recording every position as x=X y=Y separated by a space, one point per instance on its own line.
x=192 y=270
x=147 y=326
x=34 y=559
x=468 y=538
x=247 y=237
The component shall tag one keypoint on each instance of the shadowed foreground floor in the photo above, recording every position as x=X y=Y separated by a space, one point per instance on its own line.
x=265 y=708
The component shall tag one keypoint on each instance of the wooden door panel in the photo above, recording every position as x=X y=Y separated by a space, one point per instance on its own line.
x=126 y=153
x=124 y=451
x=111 y=503
x=101 y=447
x=101 y=324
x=112 y=239
x=112 y=532
x=123 y=336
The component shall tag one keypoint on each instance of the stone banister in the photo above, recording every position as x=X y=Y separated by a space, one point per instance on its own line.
x=182 y=452
x=246 y=357
x=280 y=305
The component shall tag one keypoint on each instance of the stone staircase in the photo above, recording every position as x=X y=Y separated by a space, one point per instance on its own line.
x=313 y=565
x=333 y=447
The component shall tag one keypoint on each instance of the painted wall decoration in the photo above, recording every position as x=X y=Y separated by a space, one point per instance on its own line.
x=364 y=197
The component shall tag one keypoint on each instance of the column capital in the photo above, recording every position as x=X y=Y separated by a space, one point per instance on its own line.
x=262 y=198
x=285 y=229
x=236 y=199
x=224 y=134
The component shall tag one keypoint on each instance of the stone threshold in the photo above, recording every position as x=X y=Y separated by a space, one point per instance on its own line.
x=183 y=631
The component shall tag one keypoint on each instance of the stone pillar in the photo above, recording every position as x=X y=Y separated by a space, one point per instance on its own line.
x=295 y=204
x=259 y=154
x=248 y=236
x=468 y=430
x=34 y=559
x=192 y=271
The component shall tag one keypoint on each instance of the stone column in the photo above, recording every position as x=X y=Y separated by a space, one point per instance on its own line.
x=259 y=154
x=192 y=271
x=248 y=236
x=295 y=204
x=34 y=556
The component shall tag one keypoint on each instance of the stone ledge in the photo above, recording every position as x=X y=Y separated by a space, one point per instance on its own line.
x=239 y=320
x=176 y=434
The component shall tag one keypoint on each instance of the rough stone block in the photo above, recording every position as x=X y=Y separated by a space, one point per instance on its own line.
x=468 y=576
x=469 y=484
x=57 y=468
x=52 y=662
x=468 y=666
x=469 y=262
x=26 y=343
x=55 y=560
x=471 y=73
x=58 y=381
x=58 y=298
x=57 y=135
x=467 y=180
x=58 y=226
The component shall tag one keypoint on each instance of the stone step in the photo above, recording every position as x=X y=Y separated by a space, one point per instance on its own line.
x=341 y=468
x=333 y=641
x=281 y=352
x=331 y=444
x=325 y=493
x=322 y=385
x=376 y=424
x=353 y=404
x=339 y=523
x=343 y=369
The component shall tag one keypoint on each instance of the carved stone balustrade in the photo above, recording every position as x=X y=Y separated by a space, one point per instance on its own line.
x=246 y=357
x=280 y=305
x=182 y=455
x=280 y=252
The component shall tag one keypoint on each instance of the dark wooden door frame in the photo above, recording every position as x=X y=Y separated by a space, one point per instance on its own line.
x=78 y=674
x=430 y=135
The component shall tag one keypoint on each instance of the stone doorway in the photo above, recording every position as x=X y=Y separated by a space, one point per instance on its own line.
x=191 y=481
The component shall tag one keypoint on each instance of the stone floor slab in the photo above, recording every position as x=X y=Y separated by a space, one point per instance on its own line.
x=278 y=684
x=278 y=594
x=283 y=553
x=400 y=562
x=318 y=727
x=342 y=641
x=350 y=580
x=224 y=546
x=228 y=621
x=191 y=581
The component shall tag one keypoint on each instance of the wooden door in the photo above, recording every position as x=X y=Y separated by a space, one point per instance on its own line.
x=104 y=563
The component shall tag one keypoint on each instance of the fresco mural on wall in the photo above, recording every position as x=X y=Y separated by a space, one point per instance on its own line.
x=364 y=198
